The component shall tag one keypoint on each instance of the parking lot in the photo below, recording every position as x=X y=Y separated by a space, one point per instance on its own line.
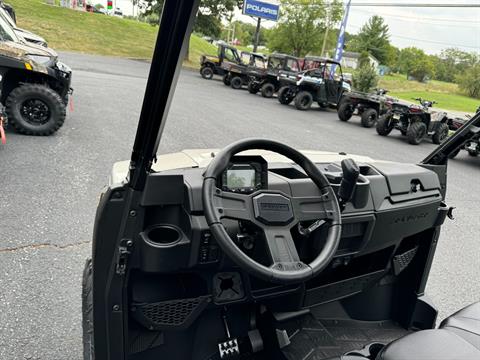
x=50 y=188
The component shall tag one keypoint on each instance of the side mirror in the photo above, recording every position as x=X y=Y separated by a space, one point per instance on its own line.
x=351 y=172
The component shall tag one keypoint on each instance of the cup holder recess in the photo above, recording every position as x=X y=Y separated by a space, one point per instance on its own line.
x=163 y=235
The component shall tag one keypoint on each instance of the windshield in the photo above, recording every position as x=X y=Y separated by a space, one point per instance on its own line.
x=6 y=30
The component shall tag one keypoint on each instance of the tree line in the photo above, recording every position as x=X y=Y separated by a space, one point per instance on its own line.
x=310 y=27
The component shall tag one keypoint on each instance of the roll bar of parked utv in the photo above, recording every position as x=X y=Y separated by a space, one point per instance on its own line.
x=441 y=154
x=170 y=50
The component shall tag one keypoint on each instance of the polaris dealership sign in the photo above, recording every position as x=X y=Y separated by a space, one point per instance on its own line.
x=265 y=9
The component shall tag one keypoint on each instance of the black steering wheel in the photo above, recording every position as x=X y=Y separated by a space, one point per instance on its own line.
x=275 y=213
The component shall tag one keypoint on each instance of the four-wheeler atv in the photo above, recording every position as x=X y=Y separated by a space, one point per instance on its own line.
x=207 y=254
x=268 y=81
x=368 y=105
x=415 y=121
x=323 y=85
x=239 y=74
x=35 y=86
x=219 y=65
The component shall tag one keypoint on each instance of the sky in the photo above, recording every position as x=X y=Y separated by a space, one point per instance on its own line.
x=429 y=29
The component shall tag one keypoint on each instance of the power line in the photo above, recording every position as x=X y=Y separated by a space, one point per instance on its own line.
x=422 y=18
x=427 y=41
x=417 y=5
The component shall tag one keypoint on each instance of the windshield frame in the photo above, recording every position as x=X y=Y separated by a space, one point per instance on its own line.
x=7 y=27
x=176 y=25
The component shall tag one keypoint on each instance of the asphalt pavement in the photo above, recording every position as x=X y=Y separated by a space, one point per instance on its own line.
x=50 y=189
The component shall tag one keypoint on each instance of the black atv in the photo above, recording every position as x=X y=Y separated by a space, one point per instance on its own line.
x=367 y=105
x=268 y=81
x=239 y=74
x=219 y=65
x=323 y=85
x=35 y=86
x=415 y=121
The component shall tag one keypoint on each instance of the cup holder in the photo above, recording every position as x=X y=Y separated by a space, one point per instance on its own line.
x=163 y=235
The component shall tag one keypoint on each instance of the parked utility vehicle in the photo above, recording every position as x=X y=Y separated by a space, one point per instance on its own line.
x=7 y=13
x=323 y=85
x=239 y=74
x=369 y=106
x=35 y=86
x=262 y=251
x=268 y=82
x=220 y=64
x=415 y=121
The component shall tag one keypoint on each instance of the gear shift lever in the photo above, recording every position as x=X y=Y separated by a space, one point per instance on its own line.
x=351 y=172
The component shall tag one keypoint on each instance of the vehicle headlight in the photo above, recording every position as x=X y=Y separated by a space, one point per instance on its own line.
x=40 y=59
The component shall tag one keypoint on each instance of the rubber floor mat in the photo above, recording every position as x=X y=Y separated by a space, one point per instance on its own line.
x=313 y=339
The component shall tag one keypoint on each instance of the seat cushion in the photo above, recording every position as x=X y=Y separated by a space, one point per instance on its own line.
x=430 y=345
x=466 y=324
x=457 y=339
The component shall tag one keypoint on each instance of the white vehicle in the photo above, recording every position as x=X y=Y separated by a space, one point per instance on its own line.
x=23 y=34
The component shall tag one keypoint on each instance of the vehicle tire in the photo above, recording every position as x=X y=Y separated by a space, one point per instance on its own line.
x=416 y=132
x=384 y=125
x=441 y=134
x=303 y=100
x=34 y=109
x=226 y=80
x=283 y=96
x=369 y=118
x=252 y=88
x=87 y=311
x=236 y=82
x=206 y=72
x=268 y=90
x=454 y=154
x=345 y=111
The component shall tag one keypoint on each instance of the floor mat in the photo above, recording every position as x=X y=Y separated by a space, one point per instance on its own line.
x=313 y=339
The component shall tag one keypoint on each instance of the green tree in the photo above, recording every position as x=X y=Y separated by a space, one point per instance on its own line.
x=209 y=17
x=302 y=25
x=415 y=63
x=365 y=78
x=374 y=38
x=469 y=81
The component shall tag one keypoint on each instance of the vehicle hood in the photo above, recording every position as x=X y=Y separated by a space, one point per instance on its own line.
x=20 y=50
x=200 y=158
x=29 y=36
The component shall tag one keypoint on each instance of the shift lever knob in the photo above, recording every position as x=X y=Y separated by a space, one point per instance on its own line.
x=351 y=172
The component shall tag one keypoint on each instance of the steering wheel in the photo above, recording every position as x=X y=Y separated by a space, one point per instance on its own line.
x=275 y=213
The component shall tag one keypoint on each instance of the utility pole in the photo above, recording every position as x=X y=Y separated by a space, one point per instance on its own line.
x=257 y=35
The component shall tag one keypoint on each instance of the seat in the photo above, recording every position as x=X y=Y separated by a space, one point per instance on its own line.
x=458 y=338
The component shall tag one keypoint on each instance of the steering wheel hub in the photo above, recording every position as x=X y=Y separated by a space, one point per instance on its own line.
x=273 y=209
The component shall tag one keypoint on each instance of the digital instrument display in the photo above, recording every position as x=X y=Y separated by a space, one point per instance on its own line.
x=244 y=174
x=241 y=178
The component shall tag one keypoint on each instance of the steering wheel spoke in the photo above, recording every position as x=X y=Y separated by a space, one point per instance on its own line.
x=233 y=205
x=281 y=247
x=313 y=207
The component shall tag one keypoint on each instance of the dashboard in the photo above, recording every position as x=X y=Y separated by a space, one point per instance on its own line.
x=392 y=202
